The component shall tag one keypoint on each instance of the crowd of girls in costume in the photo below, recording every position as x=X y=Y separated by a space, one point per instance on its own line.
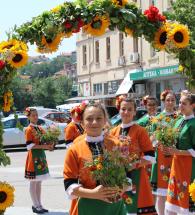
x=160 y=177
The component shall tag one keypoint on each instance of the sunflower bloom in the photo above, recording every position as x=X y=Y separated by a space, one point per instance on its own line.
x=129 y=32
x=192 y=191
x=129 y=201
x=120 y=3
x=7 y=45
x=50 y=45
x=56 y=9
x=160 y=38
x=6 y=196
x=98 y=26
x=179 y=35
x=19 y=59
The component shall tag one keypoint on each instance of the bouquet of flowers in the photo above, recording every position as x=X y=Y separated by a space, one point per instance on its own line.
x=165 y=132
x=50 y=136
x=110 y=168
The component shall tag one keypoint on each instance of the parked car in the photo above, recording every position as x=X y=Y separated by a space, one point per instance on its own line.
x=13 y=136
x=60 y=117
x=116 y=120
x=41 y=110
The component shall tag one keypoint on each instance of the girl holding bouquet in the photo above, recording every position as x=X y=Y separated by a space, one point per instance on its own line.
x=139 y=200
x=161 y=169
x=88 y=197
x=183 y=164
x=151 y=105
x=36 y=168
x=74 y=128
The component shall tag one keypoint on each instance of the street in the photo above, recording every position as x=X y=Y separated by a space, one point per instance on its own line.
x=54 y=197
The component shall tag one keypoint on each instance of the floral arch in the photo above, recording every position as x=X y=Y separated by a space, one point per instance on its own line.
x=51 y=27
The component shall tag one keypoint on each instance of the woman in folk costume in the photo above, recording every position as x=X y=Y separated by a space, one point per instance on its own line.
x=36 y=168
x=141 y=195
x=183 y=164
x=89 y=198
x=151 y=105
x=161 y=169
x=74 y=128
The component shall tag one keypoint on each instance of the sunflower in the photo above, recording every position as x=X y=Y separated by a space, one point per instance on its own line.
x=98 y=26
x=120 y=3
x=6 y=196
x=128 y=31
x=19 y=59
x=160 y=38
x=5 y=45
x=192 y=191
x=50 y=45
x=56 y=9
x=179 y=35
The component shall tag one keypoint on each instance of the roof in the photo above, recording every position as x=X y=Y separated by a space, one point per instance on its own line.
x=92 y=97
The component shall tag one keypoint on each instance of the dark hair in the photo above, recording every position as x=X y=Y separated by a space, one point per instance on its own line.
x=153 y=99
x=190 y=97
x=165 y=93
x=130 y=100
x=28 y=111
x=96 y=104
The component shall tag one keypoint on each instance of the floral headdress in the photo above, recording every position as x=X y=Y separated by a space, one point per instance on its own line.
x=79 y=109
x=185 y=93
x=164 y=94
x=145 y=100
x=119 y=99
x=28 y=110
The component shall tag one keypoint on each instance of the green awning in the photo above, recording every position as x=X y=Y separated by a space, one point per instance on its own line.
x=154 y=73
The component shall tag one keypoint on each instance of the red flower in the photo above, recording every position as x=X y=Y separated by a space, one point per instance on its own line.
x=153 y=14
x=80 y=23
x=68 y=25
x=2 y=64
x=76 y=30
x=124 y=196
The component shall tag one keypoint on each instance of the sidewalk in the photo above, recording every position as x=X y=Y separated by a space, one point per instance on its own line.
x=28 y=211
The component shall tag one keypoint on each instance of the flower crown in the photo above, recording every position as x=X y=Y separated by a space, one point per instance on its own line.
x=185 y=93
x=79 y=109
x=164 y=94
x=145 y=100
x=28 y=110
x=119 y=99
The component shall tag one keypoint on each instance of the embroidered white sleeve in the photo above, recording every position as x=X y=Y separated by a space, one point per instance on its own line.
x=70 y=190
x=154 y=143
x=150 y=158
x=192 y=152
x=30 y=146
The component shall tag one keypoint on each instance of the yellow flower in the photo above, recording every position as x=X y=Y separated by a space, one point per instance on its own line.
x=20 y=59
x=181 y=68
x=165 y=178
x=99 y=166
x=6 y=45
x=39 y=166
x=160 y=117
x=7 y=101
x=6 y=196
x=128 y=31
x=160 y=38
x=192 y=191
x=98 y=26
x=179 y=35
x=129 y=201
x=50 y=45
x=168 y=119
x=120 y=3
x=56 y=9
x=154 y=120
x=68 y=34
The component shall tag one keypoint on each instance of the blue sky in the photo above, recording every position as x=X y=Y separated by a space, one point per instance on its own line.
x=19 y=11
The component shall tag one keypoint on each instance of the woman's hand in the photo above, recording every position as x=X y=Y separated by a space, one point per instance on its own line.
x=104 y=193
x=168 y=150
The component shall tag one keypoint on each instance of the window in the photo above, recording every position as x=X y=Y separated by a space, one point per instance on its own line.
x=97 y=52
x=152 y=51
x=121 y=44
x=97 y=89
x=105 y=88
x=108 y=48
x=41 y=122
x=84 y=55
x=9 y=124
x=135 y=44
x=24 y=122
